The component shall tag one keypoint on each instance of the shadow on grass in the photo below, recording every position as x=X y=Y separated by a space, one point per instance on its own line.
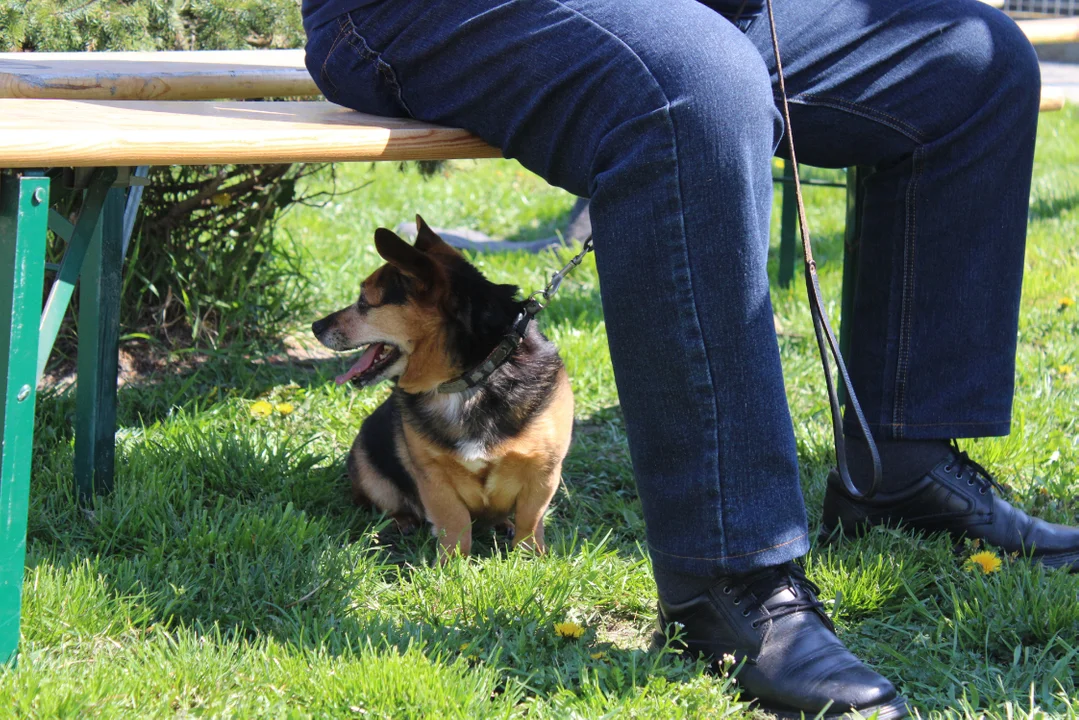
x=234 y=528
x=245 y=533
x=1043 y=208
x=237 y=525
x=202 y=380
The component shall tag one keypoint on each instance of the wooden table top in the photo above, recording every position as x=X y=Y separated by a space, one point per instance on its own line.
x=82 y=133
x=231 y=74
x=196 y=75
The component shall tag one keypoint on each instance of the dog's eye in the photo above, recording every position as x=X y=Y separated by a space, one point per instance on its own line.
x=361 y=303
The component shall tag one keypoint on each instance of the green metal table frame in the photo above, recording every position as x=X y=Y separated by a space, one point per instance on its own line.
x=28 y=330
x=96 y=246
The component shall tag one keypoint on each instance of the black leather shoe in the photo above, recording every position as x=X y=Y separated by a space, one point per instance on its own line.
x=957 y=496
x=793 y=662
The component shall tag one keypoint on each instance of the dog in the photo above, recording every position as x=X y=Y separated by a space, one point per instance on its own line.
x=438 y=449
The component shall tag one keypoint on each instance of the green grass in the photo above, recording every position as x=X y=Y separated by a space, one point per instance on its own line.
x=227 y=575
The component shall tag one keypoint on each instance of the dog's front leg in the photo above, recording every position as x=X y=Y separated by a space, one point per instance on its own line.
x=531 y=505
x=448 y=514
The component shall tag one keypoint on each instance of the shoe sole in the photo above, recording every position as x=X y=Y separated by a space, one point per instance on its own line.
x=891 y=710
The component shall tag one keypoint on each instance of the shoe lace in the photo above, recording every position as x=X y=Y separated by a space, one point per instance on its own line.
x=975 y=473
x=762 y=584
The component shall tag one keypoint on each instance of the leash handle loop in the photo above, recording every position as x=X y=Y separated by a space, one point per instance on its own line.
x=826 y=340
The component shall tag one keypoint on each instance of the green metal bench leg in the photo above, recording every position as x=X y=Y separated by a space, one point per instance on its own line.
x=788 y=227
x=78 y=237
x=24 y=208
x=99 y=334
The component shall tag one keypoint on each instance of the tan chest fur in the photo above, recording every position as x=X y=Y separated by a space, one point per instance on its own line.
x=489 y=482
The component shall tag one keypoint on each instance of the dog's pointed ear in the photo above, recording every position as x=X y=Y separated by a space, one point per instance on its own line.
x=405 y=257
x=426 y=238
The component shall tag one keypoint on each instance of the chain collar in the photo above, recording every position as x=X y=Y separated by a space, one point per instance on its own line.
x=513 y=339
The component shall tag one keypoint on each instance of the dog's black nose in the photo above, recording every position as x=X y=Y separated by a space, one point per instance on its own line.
x=318 y=326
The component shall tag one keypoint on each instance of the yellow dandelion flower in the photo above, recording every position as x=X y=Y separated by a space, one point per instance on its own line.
x=222 y=199
x=568 y=629
x=285 y=408
x=1066 y=302
x=465 y=646
x=261 y=409
x=985 y=561
x=1064 y=369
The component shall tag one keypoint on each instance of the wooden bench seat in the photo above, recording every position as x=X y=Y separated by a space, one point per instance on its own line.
x=1050 y=31
x=90 y=133
x=81 y=133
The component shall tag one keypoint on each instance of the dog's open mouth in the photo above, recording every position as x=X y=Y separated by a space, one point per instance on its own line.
x=376 y=358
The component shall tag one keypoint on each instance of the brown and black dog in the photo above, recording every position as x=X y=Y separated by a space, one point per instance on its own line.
x=426 y=317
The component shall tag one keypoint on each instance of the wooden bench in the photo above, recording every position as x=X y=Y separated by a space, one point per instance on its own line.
x=111 y=114
x=98 y=133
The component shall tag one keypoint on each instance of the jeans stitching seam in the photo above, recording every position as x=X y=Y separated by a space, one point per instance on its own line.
x=864 y=111
x=384 y=69
x=651 y=548
x=342 y=30
x=907 y=296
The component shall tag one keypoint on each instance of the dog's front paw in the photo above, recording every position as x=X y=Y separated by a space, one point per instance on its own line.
x=506 y=530
x=406 y=523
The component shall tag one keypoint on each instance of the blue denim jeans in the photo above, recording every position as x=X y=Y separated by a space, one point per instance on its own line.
x=663 y=113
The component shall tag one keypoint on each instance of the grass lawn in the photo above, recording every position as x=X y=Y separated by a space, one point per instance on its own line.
x=228 y=576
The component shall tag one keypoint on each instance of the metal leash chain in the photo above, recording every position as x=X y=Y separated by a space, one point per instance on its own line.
x=556 y=280
x=825 y=337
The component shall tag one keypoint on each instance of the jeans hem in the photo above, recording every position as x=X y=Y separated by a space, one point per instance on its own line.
x=732 y=564
x=933 y=431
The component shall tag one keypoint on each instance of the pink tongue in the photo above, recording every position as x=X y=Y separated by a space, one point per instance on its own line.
x=363 y=364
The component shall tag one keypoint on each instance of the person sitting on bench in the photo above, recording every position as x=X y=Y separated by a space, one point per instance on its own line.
x=664 y=115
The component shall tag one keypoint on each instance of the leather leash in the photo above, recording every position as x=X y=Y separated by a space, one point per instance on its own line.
x=825 y=337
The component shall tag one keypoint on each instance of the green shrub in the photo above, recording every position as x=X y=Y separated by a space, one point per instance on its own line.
x=72 y=25
x=204 y=266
